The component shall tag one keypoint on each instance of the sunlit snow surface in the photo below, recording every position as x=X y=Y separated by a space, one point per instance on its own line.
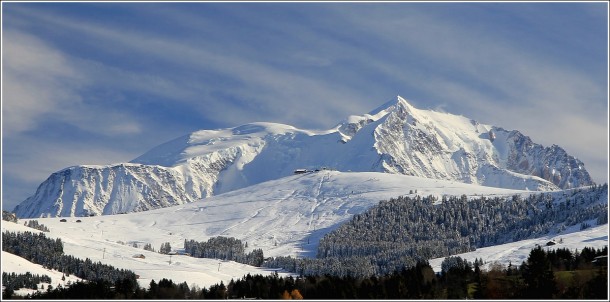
x=283 y=217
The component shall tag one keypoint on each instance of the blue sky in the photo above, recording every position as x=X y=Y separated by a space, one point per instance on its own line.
x=101 y=83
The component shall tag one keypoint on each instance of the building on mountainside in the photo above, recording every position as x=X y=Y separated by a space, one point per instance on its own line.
x=141 y=256
x=300 y=171
x=550 y=243
x=62 y=220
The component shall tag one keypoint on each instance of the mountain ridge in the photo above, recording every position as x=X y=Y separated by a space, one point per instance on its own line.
x=393 y=138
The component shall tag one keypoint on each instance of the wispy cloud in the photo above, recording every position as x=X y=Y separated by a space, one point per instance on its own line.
x=41 y=83
x=35 y=78
x=287 y=96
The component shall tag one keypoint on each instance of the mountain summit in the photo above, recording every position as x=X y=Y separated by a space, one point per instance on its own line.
x=394 y=138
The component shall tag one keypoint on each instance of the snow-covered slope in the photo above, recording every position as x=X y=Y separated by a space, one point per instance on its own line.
x=18 y=265
x=282 y=217
x=277 y=216
x=84 y=242
x=395 y=138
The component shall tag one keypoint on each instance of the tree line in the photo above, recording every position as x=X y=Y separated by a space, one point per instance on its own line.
x=542 y=276
x=13 y=281
x=225 y=248
x=37 y=248
x=36 y=225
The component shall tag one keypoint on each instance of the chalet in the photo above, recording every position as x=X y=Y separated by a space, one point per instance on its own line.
x=550 y=243
x=141 y=256
x=300 y=171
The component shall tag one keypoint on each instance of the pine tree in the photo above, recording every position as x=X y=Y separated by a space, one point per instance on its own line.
x=538 y=276
x=165 y=248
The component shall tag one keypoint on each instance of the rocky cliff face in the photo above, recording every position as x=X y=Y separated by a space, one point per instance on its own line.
x=395 y=138
x=550 y=163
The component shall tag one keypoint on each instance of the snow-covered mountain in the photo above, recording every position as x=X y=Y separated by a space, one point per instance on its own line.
x=395 y=138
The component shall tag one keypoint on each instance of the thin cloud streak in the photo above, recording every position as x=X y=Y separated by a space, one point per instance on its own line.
x=42 y=84
x=35 y=79
x=259 y=84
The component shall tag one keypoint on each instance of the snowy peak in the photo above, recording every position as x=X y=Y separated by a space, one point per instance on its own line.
x=395 y=138
x=398 y=103
x=350 y=126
